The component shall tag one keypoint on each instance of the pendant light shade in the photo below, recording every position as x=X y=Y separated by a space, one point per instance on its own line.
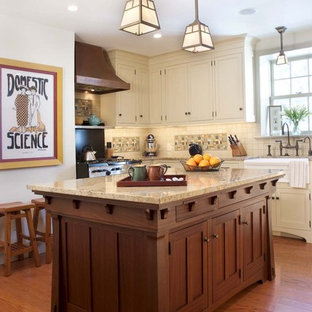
x=197 y=37
x=139 y=17
x=281 y=59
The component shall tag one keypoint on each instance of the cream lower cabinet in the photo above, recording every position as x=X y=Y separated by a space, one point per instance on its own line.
x=291 y=211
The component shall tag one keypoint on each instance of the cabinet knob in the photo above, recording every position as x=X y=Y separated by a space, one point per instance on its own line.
x=119 y=115
x=206 y=240
x=189 y=113
x=185 y=113
x=141 y=116
x=240 y=108
x=245 y=222
x=215 y=236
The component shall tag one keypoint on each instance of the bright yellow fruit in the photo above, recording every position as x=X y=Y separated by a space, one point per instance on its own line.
x=198 y=158
x=203 y=163
x=207 y=157
x=191 y=162
x=214 y=161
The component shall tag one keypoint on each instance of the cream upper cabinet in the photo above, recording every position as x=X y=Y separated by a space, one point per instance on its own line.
x=127 y=100
x=229 y=90
x=129 y=107
x=156 y=95
x=200 y=91
x=142 y=91
x=176 y=101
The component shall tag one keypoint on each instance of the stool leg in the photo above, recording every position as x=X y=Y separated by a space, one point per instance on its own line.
x=32 y=237
x=19 y=232
x=48 y=238
x=36 y=218
x=7 y=247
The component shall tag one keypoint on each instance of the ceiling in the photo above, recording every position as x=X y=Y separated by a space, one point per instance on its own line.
x=97 y=21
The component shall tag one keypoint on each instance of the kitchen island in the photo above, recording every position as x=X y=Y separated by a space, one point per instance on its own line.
x=159 y=249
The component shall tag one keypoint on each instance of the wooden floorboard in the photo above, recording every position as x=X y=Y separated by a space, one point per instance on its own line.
x=28 y=289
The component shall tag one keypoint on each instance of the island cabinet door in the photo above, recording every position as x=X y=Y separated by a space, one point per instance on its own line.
x=90 y=267
x=253 y=224
x=225 y=254
x=188 y=268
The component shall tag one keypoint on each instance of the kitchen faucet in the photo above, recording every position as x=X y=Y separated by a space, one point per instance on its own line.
x=288 y=145
x=288 y=138
x=310 y=151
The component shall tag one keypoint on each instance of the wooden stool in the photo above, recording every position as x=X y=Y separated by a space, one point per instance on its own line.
x=16 y=211
x=46 y=236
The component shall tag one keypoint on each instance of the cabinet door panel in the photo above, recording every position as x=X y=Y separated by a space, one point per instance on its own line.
x=225 y=254
x=176 y=93
x=142 y=89
x=253 y=238
x=188 y=269
x=200 y=91
x=293 y=209
x=126 y=100
x=155 y=96
x=229 y=91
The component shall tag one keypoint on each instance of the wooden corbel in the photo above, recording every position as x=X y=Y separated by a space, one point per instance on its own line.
x=76 y=203
x=109 y=209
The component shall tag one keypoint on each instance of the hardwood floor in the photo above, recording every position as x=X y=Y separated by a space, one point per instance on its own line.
x=28 y=288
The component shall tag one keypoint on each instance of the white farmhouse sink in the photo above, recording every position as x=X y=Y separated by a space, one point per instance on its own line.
x=270 y=163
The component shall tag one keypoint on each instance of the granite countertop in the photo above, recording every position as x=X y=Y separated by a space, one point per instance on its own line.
x=199 y=183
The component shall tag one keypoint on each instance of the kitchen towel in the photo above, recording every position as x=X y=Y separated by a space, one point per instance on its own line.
x=299 y=172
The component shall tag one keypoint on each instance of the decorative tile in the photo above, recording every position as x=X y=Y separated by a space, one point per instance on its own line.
x=126 y=144
x=214 y=141
x=83 y=108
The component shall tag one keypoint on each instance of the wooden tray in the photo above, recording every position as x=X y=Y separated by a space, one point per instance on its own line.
x=126 y=182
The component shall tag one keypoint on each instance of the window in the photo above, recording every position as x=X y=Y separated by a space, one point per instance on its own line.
x=291 y=85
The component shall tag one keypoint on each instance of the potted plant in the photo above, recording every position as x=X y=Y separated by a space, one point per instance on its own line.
x=295 y=115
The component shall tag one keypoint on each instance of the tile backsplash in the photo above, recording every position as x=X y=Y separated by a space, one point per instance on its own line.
x=126 y=144
x=215 y=141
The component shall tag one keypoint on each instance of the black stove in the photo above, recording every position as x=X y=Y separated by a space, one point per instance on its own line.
x=104 y=167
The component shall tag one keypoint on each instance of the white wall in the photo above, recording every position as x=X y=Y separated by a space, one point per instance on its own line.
x=24 y=40
x=31 y=42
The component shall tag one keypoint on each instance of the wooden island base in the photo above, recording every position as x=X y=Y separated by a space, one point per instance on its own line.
x=187 y=255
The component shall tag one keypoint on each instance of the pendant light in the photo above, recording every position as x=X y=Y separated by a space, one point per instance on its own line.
x=281 y=59
x=197 y=37
x=139 y=17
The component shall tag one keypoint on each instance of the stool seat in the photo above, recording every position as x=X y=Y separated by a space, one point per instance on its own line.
x=16 y=211
x=45 y=236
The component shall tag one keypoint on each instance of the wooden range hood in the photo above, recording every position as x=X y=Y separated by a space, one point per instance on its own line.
x=93 y=71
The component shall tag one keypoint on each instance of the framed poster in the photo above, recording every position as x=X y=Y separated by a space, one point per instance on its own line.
x=275 y=119
x=30 y=115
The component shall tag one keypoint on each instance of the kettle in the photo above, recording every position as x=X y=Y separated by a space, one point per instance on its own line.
x=88 y=154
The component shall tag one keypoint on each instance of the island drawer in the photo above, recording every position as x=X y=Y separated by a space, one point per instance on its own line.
x=196 y=206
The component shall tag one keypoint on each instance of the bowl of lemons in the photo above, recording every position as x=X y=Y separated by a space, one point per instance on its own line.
x=204 y=162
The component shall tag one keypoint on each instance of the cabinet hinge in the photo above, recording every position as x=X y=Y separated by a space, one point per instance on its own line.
x=160 y=73
x=239 y=219
x=240 y=273
x=135 y=71
x=310 y=223
x=169 y=248
x=273 y=272
x=309 y=196
x=211 y=63
x=165 y=72
x=263 y=209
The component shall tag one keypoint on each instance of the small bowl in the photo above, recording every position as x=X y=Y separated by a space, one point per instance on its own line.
x=197 y=168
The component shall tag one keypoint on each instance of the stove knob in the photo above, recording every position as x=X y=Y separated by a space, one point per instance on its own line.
x=108 y=172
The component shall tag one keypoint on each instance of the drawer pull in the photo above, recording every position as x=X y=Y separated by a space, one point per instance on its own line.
x=206 y=240
x=245 y=222
x=215 y=236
